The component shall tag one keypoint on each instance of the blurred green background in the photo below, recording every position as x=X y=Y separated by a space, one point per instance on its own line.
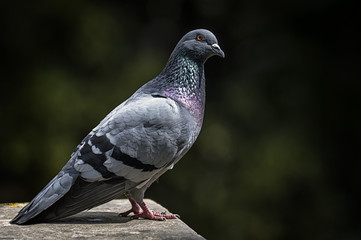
x=279 y=153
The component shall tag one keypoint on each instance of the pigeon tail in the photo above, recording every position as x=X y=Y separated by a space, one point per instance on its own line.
x=81 y=196
x=51 y=193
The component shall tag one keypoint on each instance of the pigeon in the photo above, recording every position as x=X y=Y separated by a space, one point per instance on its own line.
x=135 y=143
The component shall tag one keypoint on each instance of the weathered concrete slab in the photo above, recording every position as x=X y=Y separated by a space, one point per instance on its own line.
x=101 y=222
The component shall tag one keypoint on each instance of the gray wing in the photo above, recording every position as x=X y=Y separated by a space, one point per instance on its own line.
x=137 y=140
x=133 y=143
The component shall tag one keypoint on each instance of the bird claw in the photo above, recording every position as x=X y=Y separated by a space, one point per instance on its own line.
x=136 y=209
x=141 y=210
x=150 y=216
x=126 y=213
x=165 y=215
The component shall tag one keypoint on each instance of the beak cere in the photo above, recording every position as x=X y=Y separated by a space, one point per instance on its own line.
x=218 y=50
x=215 y=45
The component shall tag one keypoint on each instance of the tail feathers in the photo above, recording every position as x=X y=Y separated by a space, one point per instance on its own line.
x=83 y=195
x=51 y=193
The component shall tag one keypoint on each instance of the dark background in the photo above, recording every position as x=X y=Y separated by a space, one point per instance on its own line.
x=279 y=153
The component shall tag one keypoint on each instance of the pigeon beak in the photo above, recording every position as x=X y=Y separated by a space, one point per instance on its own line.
x=217 y=50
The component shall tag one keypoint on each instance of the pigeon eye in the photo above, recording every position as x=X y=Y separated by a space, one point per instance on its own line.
x=199 y=37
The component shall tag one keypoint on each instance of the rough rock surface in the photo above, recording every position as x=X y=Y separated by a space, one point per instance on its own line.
x=101 y=222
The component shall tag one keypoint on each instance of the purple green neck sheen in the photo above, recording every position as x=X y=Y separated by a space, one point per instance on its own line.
x=186 y=84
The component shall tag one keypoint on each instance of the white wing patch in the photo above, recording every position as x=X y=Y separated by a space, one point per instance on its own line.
x=96 y=150
x=131 y=173
x=87 y=171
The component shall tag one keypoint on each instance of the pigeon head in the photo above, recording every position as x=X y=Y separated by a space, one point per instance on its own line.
x=182 y=79
x=199 y=44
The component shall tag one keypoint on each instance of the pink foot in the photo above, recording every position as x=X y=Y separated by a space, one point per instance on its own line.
x=136 y=209
x=147 y=214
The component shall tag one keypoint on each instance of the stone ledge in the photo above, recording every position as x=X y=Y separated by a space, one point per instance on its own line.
x=101 y=222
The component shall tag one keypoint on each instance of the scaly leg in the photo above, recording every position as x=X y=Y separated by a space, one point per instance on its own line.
x=141 y=210
x=147 y=214
x=136 y=209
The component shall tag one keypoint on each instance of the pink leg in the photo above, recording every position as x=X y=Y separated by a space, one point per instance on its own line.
x=141 y=210
x=135 y=207
x=147 y=214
